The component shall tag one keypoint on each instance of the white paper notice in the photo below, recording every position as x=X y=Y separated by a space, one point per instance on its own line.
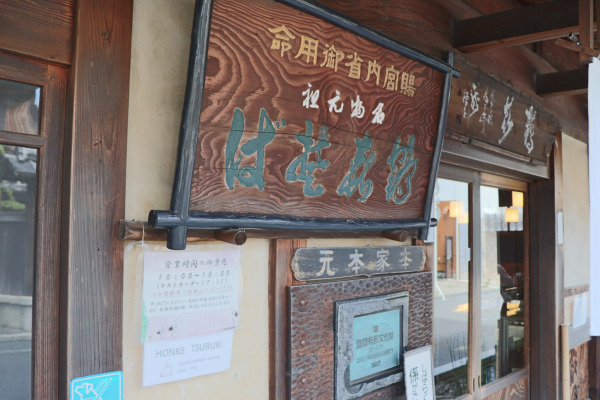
x=173 y=360
x=418 y=374
x=580 y=311
x=188 y=294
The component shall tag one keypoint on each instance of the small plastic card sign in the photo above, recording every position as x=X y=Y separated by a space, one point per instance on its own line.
x=418 y=374
x=173 y=360
x=107 y=386
x=580 y=311
x=188 y=294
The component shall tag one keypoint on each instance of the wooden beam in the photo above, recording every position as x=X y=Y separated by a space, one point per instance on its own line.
x=38 y=28
x=597 y=41
x=519 y=26
x=586 y=28
x=137 y=230
x=577 y=47
x=94 y=196
x=562 y=83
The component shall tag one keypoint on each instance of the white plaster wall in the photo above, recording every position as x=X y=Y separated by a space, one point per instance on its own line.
x=159 y=56
x=576 y=209
x=247 y=378
x=374 y=242
x=160 y=49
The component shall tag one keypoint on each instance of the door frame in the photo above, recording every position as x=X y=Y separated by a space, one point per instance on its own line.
x=45 y=330
x=475 y=179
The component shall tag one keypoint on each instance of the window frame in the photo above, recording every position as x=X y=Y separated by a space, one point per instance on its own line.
x=49 y=143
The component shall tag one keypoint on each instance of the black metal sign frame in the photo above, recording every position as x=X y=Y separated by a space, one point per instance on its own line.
x=179 y=218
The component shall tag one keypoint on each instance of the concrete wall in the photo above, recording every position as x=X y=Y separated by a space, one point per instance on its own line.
x=161 y=38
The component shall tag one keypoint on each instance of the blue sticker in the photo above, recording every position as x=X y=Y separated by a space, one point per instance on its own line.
x=107 y=386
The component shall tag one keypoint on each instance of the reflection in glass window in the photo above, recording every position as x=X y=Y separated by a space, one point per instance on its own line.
x=451 y=289
x=500 y=325
x=18 y=183
x=19 y=107
x=503 y=283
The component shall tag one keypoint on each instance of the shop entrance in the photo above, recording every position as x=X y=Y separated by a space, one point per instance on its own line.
x=480 y=293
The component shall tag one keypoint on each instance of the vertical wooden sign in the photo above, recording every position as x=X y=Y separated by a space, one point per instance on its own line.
x=304 y=120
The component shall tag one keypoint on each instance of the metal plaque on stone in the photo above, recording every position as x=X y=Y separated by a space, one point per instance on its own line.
x=313 y=263
x=371 y=337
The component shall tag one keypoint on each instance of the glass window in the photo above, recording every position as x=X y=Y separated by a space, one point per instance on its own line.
x=18 y=183
x=451 y=288
x=488 y=341
x=19 y=107
x=502 y=283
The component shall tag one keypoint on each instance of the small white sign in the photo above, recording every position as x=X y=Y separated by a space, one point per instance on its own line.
x=580 y=311
x=187 y=294
x=418 y=374
x=560 y=229
x=174 y=360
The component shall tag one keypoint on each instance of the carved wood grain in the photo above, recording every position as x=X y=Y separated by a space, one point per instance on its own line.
x=244 y=72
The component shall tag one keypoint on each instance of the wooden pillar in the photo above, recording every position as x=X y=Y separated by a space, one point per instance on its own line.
x=280 y=277
x=594 y=368
x=586 y=28
x=94 y=191
x=544 y=340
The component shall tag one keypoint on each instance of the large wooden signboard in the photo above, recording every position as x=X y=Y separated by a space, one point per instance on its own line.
x=296 y=118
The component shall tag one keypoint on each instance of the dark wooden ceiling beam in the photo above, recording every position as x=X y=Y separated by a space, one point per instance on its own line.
x=567 y=44
x=562 y=83
x=597 y=40
x=586 y=28
x=528 y=24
